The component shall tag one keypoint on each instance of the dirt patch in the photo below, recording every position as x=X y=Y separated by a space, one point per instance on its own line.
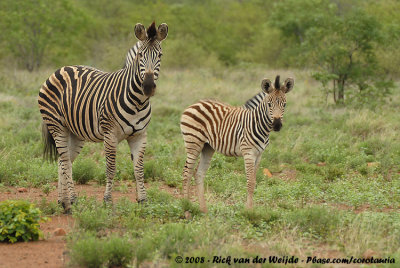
x=51 y=251
x=287 y=175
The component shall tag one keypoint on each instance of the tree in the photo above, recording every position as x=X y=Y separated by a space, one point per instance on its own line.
x=29 y=27
x=338 y=40
x=343 y=52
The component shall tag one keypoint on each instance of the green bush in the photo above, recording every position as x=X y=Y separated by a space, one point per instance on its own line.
x=92 y=215
x=260 y=216
x=88 y=251
x=315 y=221
x=118 y=251
x=19 y=221
x=84 y=170
x=49 y=208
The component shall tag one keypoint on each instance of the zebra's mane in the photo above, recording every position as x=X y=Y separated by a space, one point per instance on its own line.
x=131 y=55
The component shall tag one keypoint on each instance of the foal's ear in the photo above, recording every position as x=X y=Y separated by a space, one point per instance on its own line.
x=266 y=86
x=289 y=83
x=162 y=31
x=140 y=32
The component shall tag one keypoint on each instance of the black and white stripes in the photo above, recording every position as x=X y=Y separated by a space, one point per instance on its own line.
x=209 y=126
x=80 y=103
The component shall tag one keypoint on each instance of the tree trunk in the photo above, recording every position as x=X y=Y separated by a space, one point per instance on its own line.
x=341 y=91
x=334 y=90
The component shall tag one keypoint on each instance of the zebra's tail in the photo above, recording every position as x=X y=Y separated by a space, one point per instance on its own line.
x=49 y=150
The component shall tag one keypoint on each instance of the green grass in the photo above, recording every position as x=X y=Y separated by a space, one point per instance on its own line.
x=323 y=197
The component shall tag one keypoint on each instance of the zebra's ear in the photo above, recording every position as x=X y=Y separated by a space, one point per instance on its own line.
x=266 y=85
x=289 y=83
x=140 y=32
x=162 y=31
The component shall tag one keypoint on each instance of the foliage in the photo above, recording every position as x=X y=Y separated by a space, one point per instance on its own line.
x=340 y=43
x=119 y=251
x=49 y=208
x=84 y=170
x=294 y=19
x=91 y=215
x=19 y=221
x=32 y=27
x=88 y=251
x=344 y=55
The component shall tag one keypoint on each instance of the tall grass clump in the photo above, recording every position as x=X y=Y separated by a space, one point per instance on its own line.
x=314 y=221
x=84 y=170
x=92 y=215
x=371 y=230
x=88 y=251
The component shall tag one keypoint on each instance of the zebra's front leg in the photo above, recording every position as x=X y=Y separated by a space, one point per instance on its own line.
x=250 y=163
x=137 y=145
x=110 y=148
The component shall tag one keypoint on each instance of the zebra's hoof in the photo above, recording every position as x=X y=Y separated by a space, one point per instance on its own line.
x=67 y=209
x=107 y=200
x=74 y=200
x=142 y=201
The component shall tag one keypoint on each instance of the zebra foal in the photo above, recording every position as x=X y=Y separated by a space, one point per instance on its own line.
x=209 y=126
x=80 y=103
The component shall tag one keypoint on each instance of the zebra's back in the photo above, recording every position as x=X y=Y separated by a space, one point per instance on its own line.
x=216 y=123
x=74 y=97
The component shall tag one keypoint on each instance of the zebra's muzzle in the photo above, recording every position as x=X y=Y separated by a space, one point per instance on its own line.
x=149 y=87
x=277 y=124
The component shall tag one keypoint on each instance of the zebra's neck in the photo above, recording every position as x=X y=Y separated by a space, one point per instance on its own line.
x=131 y=55
x=134 y=92
x=262 y=118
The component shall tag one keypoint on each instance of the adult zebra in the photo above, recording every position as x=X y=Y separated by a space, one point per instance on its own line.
x=209 y=126
x=80 y=103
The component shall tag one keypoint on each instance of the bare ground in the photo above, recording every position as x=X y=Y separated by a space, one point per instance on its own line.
x=51 y=251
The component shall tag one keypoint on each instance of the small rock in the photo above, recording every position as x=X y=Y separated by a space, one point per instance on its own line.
x=373 y=164
x=369 y=253
x=321 y=164
x=22 y=190
x=266 y=172
x=59 y=232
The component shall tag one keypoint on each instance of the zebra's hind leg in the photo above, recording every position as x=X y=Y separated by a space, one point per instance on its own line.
x=66 y=192
x=110 y=148
x=192 y=153
x=75 y=147
x=137 y=145
x=205 y=159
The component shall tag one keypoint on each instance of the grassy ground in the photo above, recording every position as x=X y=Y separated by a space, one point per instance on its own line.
x=335 y=190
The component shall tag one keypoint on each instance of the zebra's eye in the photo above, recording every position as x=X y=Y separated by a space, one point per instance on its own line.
x=140 y=54
x=284 y=105
x=269 y=104
x=160 y=54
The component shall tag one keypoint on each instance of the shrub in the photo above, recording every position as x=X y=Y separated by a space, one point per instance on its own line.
x=118 y=251
x=49 y=208
x=91 y=215
x=84 y=170
x=175 y=238
x=19 y=221
x=88 y=251
x=258 y=216
x=316 y=221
